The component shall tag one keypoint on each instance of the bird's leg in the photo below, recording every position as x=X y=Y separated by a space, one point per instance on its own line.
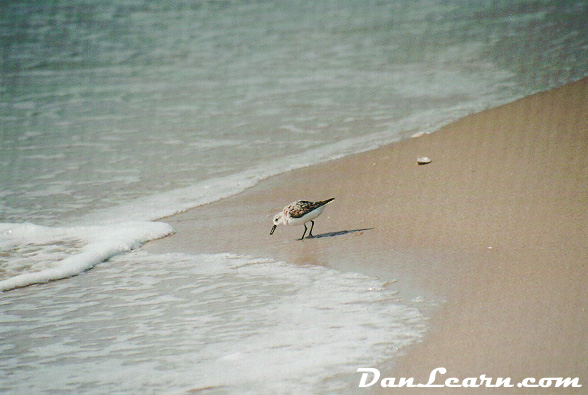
x=303 y=233
x=312 y=226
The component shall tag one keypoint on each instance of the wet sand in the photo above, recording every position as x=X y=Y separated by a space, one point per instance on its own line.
x=495 y=229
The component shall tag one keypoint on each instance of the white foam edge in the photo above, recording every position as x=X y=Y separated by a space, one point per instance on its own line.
x=100 y=244
x=164 y=204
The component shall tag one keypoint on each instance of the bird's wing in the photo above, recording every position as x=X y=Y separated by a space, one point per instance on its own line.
x=302 y=207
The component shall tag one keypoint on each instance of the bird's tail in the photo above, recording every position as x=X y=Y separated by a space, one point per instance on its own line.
x=323 y=202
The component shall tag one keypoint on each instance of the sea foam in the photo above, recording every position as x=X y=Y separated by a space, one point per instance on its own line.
x=179 y=323
x=39 y=254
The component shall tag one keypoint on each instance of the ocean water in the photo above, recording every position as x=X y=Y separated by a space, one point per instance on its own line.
x=114 y=114
x=177 y=323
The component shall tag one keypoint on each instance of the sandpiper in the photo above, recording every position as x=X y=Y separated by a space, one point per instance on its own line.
x=300 y=212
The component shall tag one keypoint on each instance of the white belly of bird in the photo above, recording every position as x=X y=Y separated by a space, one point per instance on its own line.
x=307 y=217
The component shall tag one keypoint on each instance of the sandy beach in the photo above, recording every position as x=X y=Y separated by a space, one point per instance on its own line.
x=495 y=229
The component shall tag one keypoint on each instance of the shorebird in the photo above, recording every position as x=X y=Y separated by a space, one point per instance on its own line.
x=300 y=212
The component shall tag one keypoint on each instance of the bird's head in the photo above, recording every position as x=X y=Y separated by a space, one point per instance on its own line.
x=278 y=219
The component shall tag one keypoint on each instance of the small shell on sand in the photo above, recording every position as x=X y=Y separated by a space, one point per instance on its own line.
x=423 y=160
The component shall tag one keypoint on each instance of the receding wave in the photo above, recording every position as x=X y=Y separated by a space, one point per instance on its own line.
x=37 y=254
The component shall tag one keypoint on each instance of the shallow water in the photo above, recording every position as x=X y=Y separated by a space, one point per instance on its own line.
x=164 y=323
x=108 y=102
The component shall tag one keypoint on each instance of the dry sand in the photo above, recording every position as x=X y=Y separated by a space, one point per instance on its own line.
x=496 y=226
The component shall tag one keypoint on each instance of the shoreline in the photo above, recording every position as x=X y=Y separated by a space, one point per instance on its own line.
x=496 y=226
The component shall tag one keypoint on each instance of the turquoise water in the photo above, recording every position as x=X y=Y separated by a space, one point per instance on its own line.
x=105 y=102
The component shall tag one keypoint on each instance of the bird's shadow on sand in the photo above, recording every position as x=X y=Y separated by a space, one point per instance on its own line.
x=339 y=233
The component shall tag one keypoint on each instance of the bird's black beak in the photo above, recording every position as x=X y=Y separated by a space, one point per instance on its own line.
x=273 y=228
